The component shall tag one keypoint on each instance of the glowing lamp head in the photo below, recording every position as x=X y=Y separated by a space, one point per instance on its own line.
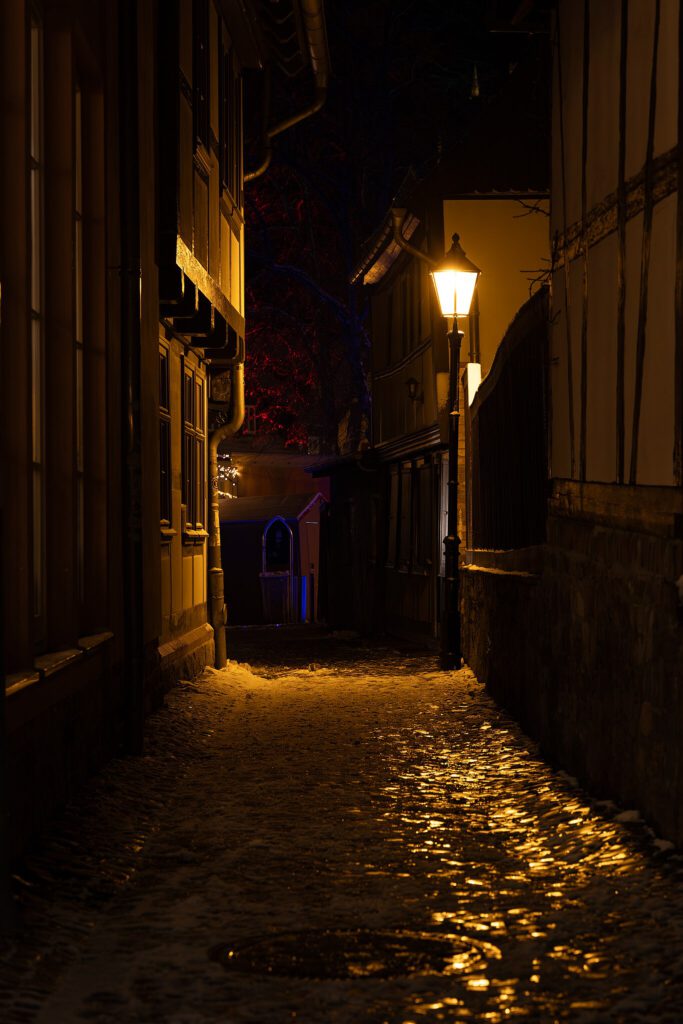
x=454 y=279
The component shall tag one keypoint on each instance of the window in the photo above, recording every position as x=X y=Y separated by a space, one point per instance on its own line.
x=392 y=532
x=443 y=513
x=278 y=547
x=78 y=341
x=249 y=426
x=200 y=71
x=424 y=513
x=37 y=327
x=194 y=449
x=391 y=347
x=426 y=299
x=230 y=142
x=405 y=524
x=405 y=314
x=164 y=439
x=416 y=305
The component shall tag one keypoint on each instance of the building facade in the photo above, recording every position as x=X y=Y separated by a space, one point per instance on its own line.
x=122 y=317
x=581 y=635
x=63 y=651
x=389 y=499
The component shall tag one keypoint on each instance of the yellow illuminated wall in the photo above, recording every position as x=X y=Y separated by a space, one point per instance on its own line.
x=508 y=243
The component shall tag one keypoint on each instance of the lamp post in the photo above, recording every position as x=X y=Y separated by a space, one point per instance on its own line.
x=454 y=278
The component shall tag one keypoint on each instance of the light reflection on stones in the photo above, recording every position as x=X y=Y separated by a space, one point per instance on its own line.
x=520 y=858
x=403 y=814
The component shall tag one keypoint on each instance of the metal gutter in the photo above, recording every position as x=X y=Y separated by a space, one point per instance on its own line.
x=217 y=609
x=398 y=216
x=316 y=39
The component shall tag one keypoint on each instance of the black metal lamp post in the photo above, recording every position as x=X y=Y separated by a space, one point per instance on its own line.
x=454 y=278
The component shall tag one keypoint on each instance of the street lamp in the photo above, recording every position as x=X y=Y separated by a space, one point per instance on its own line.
x=454 y=278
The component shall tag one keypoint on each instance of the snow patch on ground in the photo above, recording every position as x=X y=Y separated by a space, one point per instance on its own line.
x=373 y=793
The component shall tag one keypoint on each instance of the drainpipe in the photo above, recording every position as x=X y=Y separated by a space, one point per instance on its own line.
x=316 y=38
x=398 y=216
x=6 y=905
x=217 y=607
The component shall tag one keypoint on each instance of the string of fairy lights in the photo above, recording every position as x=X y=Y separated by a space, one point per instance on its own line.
x=227 y=477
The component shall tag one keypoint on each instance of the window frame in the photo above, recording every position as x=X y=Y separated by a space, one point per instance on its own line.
x=193 y=453
x=405 y=518
x=230 y=119
x=423 y=559
x=165 y=420
x=393 y=517
x=36 y=43
x=201 y=75
x=78 y=336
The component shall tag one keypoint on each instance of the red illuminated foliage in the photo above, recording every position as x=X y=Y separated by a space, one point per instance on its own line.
x=400 y=95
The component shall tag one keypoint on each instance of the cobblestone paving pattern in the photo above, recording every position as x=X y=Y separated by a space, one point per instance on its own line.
x=363 y=790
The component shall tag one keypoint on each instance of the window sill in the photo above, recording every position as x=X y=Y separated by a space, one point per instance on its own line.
x=19 y=681
x=47 y=665
x=50 y=664
x=194 y=536
x=91 y=643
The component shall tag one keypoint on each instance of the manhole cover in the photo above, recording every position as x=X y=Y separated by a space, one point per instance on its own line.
x=347 y=953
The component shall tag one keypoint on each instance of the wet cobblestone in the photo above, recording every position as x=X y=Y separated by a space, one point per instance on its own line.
x=333 y=788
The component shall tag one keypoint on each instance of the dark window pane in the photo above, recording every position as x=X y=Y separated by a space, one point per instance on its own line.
x=187 y=473
x=200 y=70
x=199 y=405
x=199 y=483
x=424 y=535
x=165 y=471
x=188 y=399
x=163 y=380
x=393 y=517
x=405 y=518
x=278 y=544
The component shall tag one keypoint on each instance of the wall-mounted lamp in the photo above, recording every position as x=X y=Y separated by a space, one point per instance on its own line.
x=413 y=387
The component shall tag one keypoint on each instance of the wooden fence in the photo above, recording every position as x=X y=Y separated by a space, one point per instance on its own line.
x=508 y=437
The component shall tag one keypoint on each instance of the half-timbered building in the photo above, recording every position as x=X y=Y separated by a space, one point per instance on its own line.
x=389 y=495
x=122 y=330
x=582 y=636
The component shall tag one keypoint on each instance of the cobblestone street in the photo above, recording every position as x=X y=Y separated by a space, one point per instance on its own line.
x=343 y=835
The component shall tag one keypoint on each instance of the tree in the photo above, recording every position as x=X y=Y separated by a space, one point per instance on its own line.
x=408 y=79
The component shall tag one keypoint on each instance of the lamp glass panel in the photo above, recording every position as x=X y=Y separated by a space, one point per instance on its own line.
x=444 y=282
x=464 y=290
x=454 y=289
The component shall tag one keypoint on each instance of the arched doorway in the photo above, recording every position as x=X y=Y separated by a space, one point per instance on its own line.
x=278 y=579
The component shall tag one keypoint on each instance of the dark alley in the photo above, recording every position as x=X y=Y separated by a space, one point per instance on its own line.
x=333 y=831
x=341 y=503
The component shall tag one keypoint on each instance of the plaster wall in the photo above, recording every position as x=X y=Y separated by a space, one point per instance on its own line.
x=511 y=245
x=587 y=375
x=183 y=562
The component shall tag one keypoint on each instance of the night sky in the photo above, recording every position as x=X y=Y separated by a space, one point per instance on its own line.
x=403 y=94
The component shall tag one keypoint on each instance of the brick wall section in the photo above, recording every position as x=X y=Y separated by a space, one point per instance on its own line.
x=587 y=654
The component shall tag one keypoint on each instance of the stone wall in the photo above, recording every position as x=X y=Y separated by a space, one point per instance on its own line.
x=586 y=652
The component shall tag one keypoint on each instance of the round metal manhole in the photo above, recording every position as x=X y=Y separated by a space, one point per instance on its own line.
x=347 y=953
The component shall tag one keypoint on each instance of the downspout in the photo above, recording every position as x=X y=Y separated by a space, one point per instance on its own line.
x=217 y=607
x=316 y=38
x=6 y=903
x=398 y=216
